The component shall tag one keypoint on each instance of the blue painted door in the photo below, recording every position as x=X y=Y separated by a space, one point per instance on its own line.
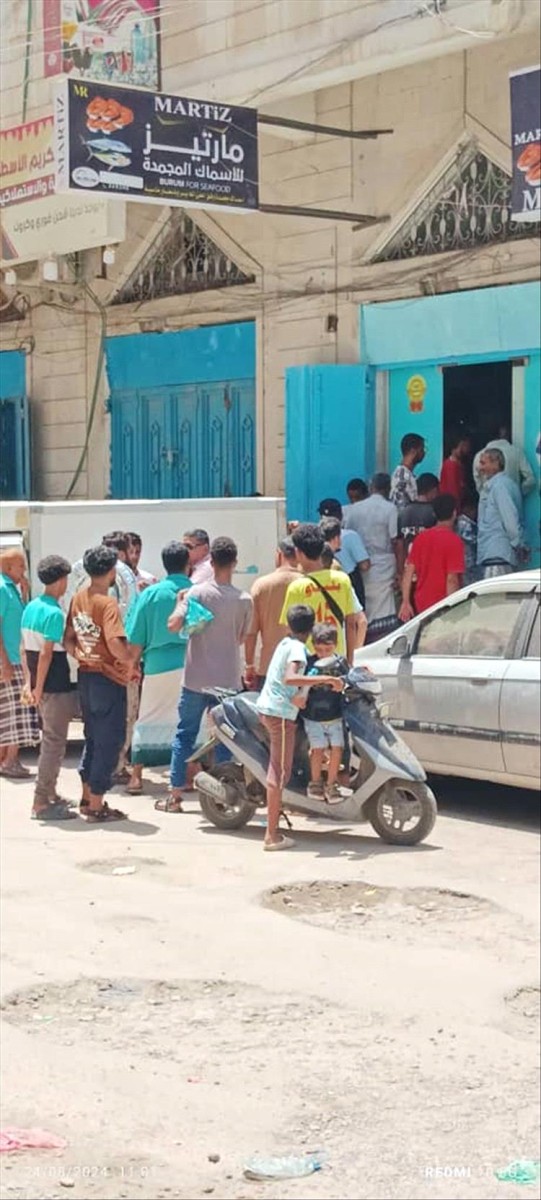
x=416 y=406
x=329 y=434
x=194 y=440
x=183 y=413
x=14 y=427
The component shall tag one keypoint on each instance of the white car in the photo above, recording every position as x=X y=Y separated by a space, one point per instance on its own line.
x=462 y=681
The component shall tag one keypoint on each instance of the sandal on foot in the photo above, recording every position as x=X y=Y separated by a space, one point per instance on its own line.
x=94 y=816
x=15 y=771
x=134 y=789
x=335 y=794
x=168 y=804
x=122 y=776
x=54 y=812
x=285 y=843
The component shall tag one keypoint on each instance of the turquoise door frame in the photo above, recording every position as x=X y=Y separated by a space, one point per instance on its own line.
x=409 y=341
x=14 y=427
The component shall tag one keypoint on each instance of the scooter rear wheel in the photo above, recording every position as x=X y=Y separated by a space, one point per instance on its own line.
x=236 y=813
x=397 y=805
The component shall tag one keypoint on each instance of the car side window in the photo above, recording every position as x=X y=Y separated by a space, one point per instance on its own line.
x=479 y=627
x=533 y=649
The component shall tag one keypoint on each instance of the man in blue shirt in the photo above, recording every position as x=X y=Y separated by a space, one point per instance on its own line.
x=18 y=721
x=163 y=655
x=49 y=684
x=347 y=545
x=500 y=547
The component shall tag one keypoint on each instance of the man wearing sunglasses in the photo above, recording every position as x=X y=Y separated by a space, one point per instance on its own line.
x=197 y=544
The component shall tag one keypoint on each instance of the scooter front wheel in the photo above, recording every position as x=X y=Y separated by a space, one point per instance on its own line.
x=403 y=813
x=232 y=810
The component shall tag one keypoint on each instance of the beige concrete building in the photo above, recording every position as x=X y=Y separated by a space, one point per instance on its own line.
x=435 y=73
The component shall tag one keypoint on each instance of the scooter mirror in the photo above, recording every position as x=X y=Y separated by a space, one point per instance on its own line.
x=400 y=648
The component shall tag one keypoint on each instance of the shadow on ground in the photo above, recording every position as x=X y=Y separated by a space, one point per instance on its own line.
x=486 y=803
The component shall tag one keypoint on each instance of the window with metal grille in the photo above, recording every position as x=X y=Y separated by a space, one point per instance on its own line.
x=470 y=206
x=181 y=259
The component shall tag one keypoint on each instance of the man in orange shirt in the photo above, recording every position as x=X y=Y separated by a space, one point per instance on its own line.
x=268 y=595
x=95 y=637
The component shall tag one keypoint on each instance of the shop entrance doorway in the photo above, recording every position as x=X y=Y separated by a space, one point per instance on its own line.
x=478 y=400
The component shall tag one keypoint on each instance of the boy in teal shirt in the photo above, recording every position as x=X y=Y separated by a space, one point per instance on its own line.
x=48 y=683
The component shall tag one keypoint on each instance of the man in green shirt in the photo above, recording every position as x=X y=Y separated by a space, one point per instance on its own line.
x=162 y=654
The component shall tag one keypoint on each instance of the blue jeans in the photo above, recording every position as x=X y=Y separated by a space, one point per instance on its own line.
x=103 y=707
x=191 y=707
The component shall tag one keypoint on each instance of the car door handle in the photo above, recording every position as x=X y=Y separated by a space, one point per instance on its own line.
x=481 y=681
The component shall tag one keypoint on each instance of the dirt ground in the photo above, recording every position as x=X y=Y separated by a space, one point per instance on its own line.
x=377 y=1005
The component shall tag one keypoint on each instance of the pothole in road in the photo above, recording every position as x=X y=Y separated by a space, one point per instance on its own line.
x=354 y=905
x=126 y=864
x=524 y=1007
x=190 y=1019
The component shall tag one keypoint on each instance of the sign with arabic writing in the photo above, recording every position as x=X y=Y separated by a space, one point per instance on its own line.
x=113 y=40
x=154 y=147
x=26 y=162
x=526 y=144
x=59 y=225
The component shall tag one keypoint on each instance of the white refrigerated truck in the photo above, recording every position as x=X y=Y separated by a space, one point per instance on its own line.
x=71 y=527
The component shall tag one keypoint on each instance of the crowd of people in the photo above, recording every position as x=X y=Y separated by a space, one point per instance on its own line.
x=149 y=653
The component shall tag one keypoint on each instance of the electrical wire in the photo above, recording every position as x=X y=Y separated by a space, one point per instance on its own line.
x=97 y=384
x=26 y=79
x=18 y=42
x=411 y=15
x=439 y=15
x=165 y=8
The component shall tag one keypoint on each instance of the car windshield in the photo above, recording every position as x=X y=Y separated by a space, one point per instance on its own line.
x=479 y=627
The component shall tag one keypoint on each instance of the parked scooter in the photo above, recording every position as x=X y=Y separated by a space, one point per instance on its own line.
x=389 y=784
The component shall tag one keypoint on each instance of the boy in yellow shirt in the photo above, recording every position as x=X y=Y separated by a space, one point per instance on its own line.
x=327 y=592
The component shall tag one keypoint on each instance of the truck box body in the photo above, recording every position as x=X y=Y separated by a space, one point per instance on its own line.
x=71 y=527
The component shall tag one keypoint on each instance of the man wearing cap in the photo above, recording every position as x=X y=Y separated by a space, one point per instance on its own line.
x=351 y=553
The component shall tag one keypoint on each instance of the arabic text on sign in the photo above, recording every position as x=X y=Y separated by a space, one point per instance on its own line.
x=213 y=148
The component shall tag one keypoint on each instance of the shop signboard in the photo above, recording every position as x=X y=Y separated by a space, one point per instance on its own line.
x=526 y=144
x=34 y=222
x=27 y=168
x=114 y=41
x=151 y=146
x=59 y=225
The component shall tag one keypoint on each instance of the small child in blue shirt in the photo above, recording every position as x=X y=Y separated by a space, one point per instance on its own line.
x=323 y=723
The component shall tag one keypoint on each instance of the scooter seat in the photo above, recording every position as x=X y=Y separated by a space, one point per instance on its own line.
x=245 y=704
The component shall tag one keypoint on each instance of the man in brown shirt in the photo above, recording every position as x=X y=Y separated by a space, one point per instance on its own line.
x=95 y=637
x=268 y=595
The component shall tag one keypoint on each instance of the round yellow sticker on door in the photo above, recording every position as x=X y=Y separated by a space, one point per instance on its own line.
x=416 y=388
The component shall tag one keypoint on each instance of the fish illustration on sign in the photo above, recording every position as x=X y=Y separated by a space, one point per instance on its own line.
x=111 y=154
x=105 y=143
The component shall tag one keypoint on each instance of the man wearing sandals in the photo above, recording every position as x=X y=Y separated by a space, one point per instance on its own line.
x=212 y=660
x=48 y=684
x=95 y=637
x=18 y=721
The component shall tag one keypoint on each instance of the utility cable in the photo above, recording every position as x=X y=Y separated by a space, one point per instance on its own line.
x=27 y=56
x=96 y=389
